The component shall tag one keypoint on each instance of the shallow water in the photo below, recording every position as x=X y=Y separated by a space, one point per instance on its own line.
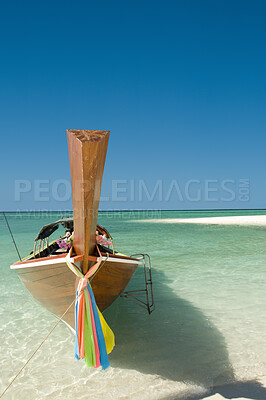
x=208 y=328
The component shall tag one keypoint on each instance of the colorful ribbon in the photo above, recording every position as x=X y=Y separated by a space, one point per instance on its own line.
x=94 y=338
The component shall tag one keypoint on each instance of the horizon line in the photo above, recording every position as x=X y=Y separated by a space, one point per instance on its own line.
x=139 y=209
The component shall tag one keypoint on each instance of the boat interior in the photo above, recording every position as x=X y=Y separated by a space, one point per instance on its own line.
x=44 y=248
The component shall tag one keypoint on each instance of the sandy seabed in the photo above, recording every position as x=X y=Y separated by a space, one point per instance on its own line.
x=46 y=378
x=227 y=391
x=252 y=391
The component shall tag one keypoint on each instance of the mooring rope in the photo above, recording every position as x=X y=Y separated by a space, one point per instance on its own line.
x=35 y=351
x=11 y=235
x=59 y=320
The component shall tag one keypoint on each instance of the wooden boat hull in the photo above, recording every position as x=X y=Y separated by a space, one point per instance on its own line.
x=53 y=284
x=49 y=279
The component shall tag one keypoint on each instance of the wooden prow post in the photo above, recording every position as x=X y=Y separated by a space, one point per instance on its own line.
x=87 y=152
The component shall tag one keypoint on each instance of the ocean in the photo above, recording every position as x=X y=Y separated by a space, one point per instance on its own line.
x=208 y=328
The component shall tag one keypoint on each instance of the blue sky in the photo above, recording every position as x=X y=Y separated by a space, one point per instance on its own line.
x=180 y=85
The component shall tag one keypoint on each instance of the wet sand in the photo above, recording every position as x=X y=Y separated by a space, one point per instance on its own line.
x=252 y=390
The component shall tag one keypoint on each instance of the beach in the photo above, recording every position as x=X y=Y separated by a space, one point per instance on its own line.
x=241 y=391
x=241 y=220
x=205 y=340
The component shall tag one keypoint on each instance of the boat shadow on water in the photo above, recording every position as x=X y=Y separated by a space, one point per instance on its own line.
x=177 y=341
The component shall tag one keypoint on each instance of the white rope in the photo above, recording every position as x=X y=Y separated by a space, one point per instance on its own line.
x=35 y=351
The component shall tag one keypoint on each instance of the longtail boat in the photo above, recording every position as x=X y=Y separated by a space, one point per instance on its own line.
x=45 y=272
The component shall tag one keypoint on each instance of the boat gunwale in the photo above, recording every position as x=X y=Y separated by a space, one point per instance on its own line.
x=60 y=258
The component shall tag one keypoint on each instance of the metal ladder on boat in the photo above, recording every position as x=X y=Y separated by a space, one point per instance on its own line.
x=147 y=297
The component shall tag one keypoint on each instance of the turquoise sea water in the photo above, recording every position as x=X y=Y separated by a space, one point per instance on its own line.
x=208 y=328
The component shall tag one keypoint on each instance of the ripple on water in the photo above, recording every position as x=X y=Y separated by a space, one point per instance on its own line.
x=208 y=327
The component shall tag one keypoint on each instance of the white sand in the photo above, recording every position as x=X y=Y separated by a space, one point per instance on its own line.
x=259 y=220
x=252 y=390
